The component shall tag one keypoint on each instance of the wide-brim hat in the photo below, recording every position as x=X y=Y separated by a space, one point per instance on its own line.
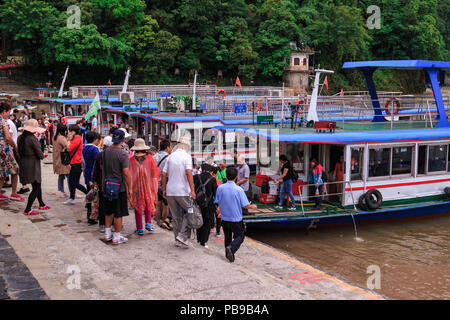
x=139 y=145
x=33 y=126
x=185 y=140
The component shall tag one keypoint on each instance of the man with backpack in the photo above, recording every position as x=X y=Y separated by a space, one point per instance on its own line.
x=288 y=175
x=162 y=209
x=205 y=190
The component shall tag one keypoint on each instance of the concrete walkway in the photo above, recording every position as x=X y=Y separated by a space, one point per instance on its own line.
x=58 y=245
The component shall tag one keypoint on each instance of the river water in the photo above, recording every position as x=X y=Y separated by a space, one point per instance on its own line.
x=413 y=256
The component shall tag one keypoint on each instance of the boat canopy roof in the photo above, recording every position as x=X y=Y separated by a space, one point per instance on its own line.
x=431 y=67
x=398 y=64
x=78 y=101
x=356 y=137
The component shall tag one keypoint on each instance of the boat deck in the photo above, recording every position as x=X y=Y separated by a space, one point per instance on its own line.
x=267 y=211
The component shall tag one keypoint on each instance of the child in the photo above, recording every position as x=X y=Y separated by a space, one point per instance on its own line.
x=90 y=151
x=144 y=178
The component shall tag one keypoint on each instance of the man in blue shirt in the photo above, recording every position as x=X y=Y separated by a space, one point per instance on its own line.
x=231 y=199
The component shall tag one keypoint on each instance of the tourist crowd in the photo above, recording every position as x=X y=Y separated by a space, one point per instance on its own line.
x=165 y=186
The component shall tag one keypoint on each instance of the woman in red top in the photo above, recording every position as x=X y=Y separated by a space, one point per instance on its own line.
x=75 y=149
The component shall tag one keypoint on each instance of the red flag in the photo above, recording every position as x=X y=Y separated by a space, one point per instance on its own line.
x=326 y=82
x=432 y=94
x=109 y=82
x=238 y=82
x=342 y=92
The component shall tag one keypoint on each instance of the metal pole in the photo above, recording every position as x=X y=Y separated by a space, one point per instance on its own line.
x=282 y=108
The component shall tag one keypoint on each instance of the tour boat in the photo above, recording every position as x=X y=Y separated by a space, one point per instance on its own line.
x=396 y=166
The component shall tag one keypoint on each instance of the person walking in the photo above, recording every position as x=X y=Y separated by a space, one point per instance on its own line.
x=144 y=178
x=286 y=187
x=5 y=110
x=59 y=144
x=316 y=179
x=116 y=170
x=178 y=188
x=206 y=186
x=30 y=154
x=8 y=164
x=75 y=149
x=243 y=175
x=97 y=179
x=90 y=151
x=221 y=174
x=162 y=209
x=231 y=200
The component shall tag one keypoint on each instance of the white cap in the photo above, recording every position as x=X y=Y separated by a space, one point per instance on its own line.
x=107 y=141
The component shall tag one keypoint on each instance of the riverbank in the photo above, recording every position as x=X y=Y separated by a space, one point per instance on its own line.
x=58 y=245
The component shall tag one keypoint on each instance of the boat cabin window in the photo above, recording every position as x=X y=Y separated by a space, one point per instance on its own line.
x=422 y=160
x=390 y=161
x=356 y=164
x=295 y=154
x=402 y=160
x=379 y=162
x=437 y=158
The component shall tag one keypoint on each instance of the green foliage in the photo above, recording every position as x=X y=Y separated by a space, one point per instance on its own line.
x=245 y=38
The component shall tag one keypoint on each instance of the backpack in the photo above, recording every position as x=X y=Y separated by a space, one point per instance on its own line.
x=294 y=175
x=201 y=198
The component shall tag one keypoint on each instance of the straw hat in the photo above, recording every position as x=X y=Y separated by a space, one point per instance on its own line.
x=139 y=145
x=32 y=126
x=185 y=140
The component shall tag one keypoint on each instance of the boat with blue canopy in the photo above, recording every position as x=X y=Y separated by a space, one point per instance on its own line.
x=394 y=156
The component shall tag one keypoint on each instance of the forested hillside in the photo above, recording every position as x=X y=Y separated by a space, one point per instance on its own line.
x=248 y=38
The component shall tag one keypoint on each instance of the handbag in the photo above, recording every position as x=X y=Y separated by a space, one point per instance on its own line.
x=112 y=185
x=194 y=218
x=66 y=158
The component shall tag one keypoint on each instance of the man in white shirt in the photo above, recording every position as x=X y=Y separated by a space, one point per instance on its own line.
x=94 y=123
x=178 y=188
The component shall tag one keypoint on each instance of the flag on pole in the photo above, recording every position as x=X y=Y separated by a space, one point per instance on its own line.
x=109 y=82
x=238 y=82
x=326 y=82
x=342 y=92
x=93 y=108
x=432 y=94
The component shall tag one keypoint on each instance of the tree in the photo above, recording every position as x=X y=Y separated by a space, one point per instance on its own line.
x=277 y=28
x=154 y=50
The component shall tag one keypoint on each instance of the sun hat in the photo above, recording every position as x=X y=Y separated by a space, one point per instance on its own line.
x=241 y=160
x=33 y=126
x=139 y=145
x=127 y=135
x=107 y=141
x=118 y=136
x=185 y=140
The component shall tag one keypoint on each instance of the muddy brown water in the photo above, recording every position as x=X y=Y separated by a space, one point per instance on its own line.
x=413 y=256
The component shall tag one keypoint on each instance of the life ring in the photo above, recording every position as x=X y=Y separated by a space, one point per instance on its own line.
x=223 y=91
x=254 y=106
x=299 y=101
x=397 y=106
x=369 y=200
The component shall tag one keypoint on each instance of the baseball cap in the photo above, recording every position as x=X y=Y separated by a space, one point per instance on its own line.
x=118 y=136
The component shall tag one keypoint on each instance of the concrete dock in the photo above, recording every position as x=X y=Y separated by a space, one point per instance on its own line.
x=62 y=251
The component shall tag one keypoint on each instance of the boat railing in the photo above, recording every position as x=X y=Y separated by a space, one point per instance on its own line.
x=326 y=193
x=395 y=108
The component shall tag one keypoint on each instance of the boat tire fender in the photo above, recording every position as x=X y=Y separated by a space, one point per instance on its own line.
x=368 y=198
x=362 y=202
x=447 y=191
